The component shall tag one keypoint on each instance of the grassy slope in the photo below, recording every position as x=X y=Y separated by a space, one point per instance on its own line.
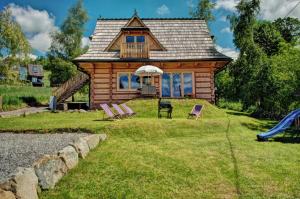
x=15 y=97
x=145 y=157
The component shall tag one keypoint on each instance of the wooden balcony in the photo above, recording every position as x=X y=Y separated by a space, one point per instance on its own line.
x=134 y=50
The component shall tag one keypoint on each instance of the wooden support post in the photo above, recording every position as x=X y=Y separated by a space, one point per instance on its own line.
x=297 y=123
x=110 y=82
x=92 y=88
x=1 y=103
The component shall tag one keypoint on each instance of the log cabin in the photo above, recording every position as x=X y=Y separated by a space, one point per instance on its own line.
x=182 y=47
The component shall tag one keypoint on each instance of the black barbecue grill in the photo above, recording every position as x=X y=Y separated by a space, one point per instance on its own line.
x=164 y=106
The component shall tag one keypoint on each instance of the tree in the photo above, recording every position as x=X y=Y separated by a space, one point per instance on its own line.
x=13 y=43
x=66 y=44
x=289 y=28
x=204 y=10
x=248 y=68
x=267 y=37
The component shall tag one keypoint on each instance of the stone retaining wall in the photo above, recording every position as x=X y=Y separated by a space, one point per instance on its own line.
x=26 y=183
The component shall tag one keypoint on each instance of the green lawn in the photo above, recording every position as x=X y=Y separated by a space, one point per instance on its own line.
x=145 y=157
x=15 y=97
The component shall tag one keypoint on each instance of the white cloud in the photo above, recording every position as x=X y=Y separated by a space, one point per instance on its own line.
x=36 y=24
x=226 y=30
x=226 y=4
x=163 y=10
x=40 y=41
x=85 y=41
x=269 y=9
x=279 y=8
x=228 y=52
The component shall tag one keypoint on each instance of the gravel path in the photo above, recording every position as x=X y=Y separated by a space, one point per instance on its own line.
x=21 y=150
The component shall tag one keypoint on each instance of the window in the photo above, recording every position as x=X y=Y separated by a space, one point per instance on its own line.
x=35 y=69
x=187 y=84
x=135 y=82
x=166 y=85
x=34 y=80
x=129 y=81
x=177 y=84
x=140 y=39
x=123 y=81
x=136 y=39
x=146 y=80
x=129 y=39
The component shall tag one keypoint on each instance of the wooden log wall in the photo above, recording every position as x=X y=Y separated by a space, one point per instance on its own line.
x=104 y=79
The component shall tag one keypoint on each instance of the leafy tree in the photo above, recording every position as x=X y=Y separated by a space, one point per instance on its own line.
x=66 y=44
x=267 y=37
x=42 y=60
x=286 y=76
x=13 y=43
x=251 y=67
x=204 y=10
x=266 y=75
x=289 y=28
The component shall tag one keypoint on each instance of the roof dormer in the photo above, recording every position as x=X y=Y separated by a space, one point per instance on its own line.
x=135 y=40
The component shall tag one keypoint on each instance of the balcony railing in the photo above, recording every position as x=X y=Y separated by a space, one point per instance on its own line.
x=134 y=50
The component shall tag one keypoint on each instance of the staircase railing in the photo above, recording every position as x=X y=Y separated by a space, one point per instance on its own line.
x=69 y=86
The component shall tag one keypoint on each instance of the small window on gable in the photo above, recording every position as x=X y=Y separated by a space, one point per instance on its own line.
x=140 y=39
x=135 y=39
x=129 y=39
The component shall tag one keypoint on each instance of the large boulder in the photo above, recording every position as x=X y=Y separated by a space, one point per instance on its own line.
x=49 y=170
x=23 y=183
x=26 y=183
x=92 y=140
x=6 y=194
x=69 y=156
x=81 y=147
x=102 y=137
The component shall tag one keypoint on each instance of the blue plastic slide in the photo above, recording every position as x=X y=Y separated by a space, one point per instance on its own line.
x=281 y=126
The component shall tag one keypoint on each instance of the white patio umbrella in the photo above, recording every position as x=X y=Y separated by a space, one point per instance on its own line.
x=148 y=70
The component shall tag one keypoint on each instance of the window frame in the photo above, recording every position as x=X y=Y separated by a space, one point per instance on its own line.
x=129 y=81
x=181 y=83
x=135 y=38
x=130 y=36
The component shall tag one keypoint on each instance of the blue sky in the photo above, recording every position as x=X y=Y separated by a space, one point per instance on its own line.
x=39 y=17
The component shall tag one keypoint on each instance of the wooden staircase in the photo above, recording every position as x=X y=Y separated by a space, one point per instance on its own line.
x=70 y=87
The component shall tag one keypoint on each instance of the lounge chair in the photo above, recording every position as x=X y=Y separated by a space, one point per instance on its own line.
x=119 y=110
x=109 y=112
x=128 y=110
x=196 y=111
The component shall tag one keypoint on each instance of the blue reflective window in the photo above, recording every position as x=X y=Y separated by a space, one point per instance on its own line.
x=166 y=85
x=123 y=81
x=176 y=85
x=129 y=39
x=135 y=82
x=188 y=83
x=140 y=39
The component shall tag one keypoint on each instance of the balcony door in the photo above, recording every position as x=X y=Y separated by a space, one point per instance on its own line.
x=177 y=85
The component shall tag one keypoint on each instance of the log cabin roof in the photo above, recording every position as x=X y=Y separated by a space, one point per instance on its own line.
x=183 y=39
x=35 y=70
